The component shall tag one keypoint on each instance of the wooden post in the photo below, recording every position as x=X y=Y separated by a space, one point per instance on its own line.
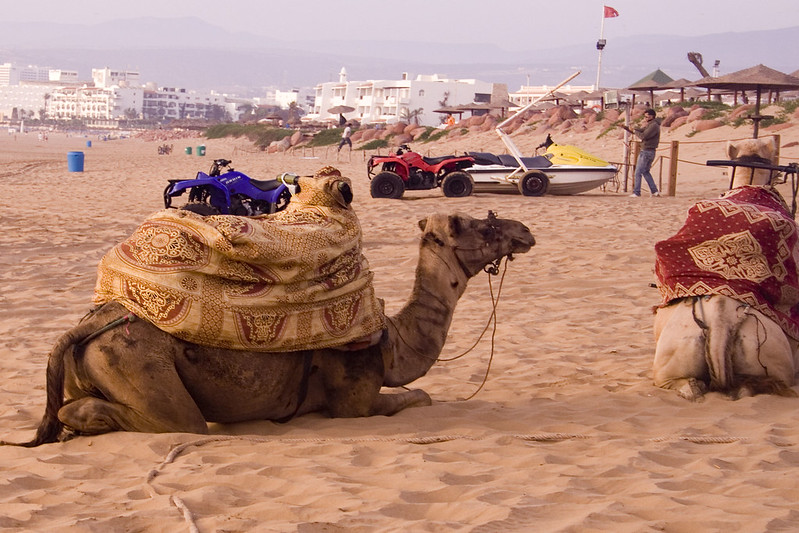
x=777 y=144
x=675 y=149
x=627 y=141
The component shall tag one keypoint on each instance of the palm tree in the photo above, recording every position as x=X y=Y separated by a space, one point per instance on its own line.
x=406 y=115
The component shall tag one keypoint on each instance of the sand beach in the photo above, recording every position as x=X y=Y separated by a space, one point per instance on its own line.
x=568 y=433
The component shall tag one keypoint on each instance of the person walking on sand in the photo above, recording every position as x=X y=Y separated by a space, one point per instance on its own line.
x=345 y=137
x=650 y=138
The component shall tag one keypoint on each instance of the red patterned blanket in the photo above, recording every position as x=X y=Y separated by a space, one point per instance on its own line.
x=743 y=245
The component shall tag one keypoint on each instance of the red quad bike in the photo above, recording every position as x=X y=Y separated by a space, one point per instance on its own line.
x=410 y=170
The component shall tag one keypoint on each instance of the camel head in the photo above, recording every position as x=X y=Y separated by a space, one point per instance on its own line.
x=476 y=243
x=756 y=151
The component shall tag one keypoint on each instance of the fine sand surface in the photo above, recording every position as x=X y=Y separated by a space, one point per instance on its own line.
x=568 y=433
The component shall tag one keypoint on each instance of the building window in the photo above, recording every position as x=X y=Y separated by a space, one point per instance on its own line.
x=421 y=92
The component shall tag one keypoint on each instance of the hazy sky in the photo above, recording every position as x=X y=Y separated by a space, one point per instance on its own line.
x=513 y=24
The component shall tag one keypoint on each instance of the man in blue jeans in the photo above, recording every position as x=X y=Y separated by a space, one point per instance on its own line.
x=650 y=138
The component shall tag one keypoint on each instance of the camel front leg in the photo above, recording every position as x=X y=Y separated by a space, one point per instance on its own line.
x=389 y=404
x=352 y=384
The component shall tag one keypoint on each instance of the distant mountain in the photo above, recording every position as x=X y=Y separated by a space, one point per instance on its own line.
x=188 y=52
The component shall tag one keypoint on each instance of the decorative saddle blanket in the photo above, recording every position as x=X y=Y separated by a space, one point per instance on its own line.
x=743 y=245
x=293 y=280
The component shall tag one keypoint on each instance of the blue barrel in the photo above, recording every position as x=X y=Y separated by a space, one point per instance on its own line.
x=188 y=150
x=75 y=161
x=201 y=150
x=88 y=144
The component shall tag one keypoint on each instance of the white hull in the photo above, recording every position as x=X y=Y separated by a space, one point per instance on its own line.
x=563 y=179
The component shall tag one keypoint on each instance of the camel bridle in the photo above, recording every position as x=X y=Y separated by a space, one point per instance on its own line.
x=492 y=269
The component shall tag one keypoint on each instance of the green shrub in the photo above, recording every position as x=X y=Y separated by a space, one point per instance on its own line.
x=374 y=144
x=789 y=106
x=436 y=136
x=327 y=137
x=261 y=135
x=426 y=135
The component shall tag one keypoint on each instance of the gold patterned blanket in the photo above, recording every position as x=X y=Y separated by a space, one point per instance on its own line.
x=744 y=245
x=294 y=280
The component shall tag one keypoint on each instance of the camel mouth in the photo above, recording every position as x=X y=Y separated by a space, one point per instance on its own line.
x=520 y=245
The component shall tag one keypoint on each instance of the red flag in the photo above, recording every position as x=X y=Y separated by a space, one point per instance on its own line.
x=610 y=12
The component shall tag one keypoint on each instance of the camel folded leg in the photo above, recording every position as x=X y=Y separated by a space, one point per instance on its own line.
x=352 y=384
x=93 y=416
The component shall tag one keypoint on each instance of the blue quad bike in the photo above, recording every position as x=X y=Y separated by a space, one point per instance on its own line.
x=225 y=191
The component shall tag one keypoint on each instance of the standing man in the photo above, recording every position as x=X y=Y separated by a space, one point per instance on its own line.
x=345 y=137
x=650 y=138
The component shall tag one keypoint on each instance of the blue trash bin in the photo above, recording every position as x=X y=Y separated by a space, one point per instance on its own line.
x=75 y=161
x=88 y=144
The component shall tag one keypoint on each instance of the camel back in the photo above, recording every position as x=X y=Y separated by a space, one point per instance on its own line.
x=743 y=245
x=294 y=280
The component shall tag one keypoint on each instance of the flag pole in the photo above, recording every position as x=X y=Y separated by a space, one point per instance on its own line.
x=600 y=45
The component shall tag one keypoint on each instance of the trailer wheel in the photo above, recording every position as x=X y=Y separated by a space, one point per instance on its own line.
x=387 y=185
x=457 y=184
x=534 y=183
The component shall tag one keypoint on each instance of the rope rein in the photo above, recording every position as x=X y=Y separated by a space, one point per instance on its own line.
x=492 y=269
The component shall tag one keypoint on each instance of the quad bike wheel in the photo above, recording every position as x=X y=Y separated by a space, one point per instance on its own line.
x=387 y=185
x=457 y=184
x=201 y=208
x=533 y=183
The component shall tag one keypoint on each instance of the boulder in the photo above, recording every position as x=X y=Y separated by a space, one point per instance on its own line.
x=368 y=135
x=742 y=110
x=778 y=127
x=397 y=128
x=488 y=125
x=612 y=115
x=679 y=121
x=696 y=114
x=402 y=138
x=296 y=138
x=477 y=120
x=704 y=125
x=672 y=114
x=417 y=132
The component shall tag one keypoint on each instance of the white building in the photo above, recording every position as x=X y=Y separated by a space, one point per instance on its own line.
x=170 y=103
x=27 y=97
x=391 y=101
x=11 y=74
x=94 y=103
x=105 y=77
x=528 y=93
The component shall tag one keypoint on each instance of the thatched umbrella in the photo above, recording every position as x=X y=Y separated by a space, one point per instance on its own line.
x=680 y=84
x=652 y=82
x=758 y=79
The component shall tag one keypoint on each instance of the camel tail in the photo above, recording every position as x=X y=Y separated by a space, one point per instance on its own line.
x=721 y=327
x=50 y=427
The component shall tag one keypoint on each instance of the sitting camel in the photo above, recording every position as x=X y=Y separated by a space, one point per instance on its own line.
x=730 y=319
x=136 y=377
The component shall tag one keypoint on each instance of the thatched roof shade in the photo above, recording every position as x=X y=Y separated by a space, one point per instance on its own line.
x=758 y=78
x=652 y=81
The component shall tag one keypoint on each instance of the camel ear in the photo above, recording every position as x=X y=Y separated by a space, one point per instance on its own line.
x=732 y=150
x=423 y=224
x=770 y=145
